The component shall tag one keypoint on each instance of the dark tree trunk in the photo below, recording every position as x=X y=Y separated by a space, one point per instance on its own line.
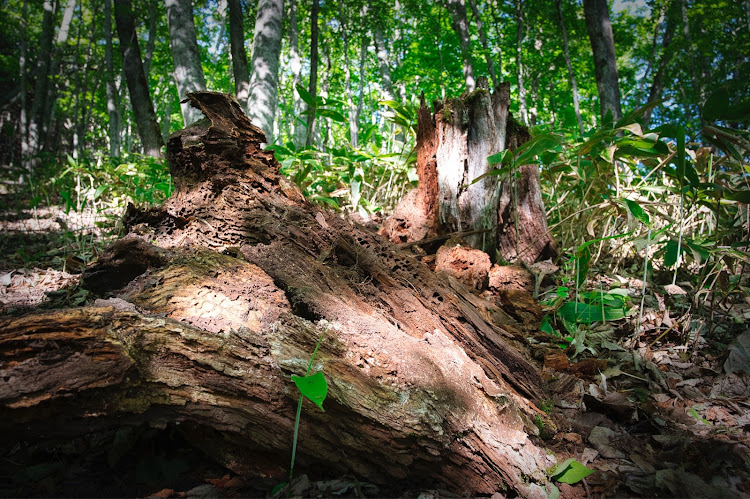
x=223 y=292
x=113 y=97
x=452 y=150
x=605 y=61
x=239 y=56
x=461 y=26
x=313 y=88
x=140 y=98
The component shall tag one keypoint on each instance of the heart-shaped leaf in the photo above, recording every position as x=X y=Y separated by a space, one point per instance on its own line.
x=314 y=387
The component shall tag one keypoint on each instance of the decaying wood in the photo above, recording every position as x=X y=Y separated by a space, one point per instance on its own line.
x=239 y=278
x=453 y=145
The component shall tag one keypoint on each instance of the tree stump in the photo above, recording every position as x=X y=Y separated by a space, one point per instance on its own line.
x=453 y=144
x=219 y=295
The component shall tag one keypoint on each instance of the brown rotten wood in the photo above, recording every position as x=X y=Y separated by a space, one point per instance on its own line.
x=239 y=278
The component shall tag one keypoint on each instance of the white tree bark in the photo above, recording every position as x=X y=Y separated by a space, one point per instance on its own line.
x=188 y=73
x=264 y=65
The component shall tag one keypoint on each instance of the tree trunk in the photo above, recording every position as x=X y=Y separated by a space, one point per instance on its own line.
x=485 y=46
x=151 y=45
x=140 y=98
x=295 y=64
x=453 y=145
x=239 y=56
x=264 y=65
x=461 y=26
x=520 y=30
x=571 y=74
x=188 y=72
x=352 y=114
x=657 y=83
x=225 y=298
x=113 y=100
x=42 y=73
x=313 y=88
x=605 y=60
x=384 y=66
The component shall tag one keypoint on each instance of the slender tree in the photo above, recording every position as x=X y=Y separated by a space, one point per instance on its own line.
x=571 y=74
x=461 y=26
x=657 y=83
x=519 y=62
x=605 y=61
x=188 y=73
x=151 y=44
x=113 y=97
x=313 y=88
x=485 y=45
x=383 y=63
x=140 y=98
x=42 y=74
x=239 y=56
x=264 y=65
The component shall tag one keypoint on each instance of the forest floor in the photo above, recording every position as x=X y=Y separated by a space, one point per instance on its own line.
x=669 y=417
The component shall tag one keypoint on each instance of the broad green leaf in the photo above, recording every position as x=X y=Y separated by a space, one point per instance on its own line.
x=332 y=114
x=537 y=145
x=314 y=387
x=501 y=158
x=582 y=260
x=670 y=256
x=306 y=96
x=546 y=327
x=570 y=471
x=637 y=211
x=739 y=196
x=587 y=313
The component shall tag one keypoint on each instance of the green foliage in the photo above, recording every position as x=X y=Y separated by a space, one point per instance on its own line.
x=570 y=471
x=313 y=387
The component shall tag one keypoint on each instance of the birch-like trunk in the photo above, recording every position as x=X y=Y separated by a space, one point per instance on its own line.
x=485 y=46
x=42 y=73
x=383 y=64
x=188 y=72
x=264 y=65
x=113 y=97
x=313 y=88
x=519 y=63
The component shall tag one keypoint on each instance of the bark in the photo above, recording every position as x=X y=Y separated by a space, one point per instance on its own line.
x=113 y=97
x=151 y=45
x=519 y=62
x=353 y=115
x=605 y=60
x=452 y=149
x=140 y=99
x=384 y=66
x=239 y=56
x=226 y=297
x=313 y=88
x=42 y=73
x=485 y=46
x=571 y=74
x=264 y=65
x=188 y=72
x=361 y=88
x=657 y=85
x=295 y=64
x=461 y=26
x=23 y=119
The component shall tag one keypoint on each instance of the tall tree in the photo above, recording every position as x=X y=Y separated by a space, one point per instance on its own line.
x=485 y=45
x=657 y=83
x=140 y=98
x=151 y=44
x=42 y=74
x=264 y=64
x=313 y=88
x=239 y=56
x=602 y=41
x=295 y=63
x=571 y=74
x=384 y=65
x=113 y=97
x=520 y=29
x=461 y=26
x=188 y=73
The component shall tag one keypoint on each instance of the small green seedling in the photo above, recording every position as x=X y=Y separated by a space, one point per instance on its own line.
x=570 y=471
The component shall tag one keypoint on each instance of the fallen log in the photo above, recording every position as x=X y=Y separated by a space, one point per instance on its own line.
x=219 y=295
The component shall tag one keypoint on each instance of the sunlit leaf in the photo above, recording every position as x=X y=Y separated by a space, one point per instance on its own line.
x=570 y=471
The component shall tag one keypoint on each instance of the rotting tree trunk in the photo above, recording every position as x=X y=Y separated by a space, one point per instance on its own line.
x=222 y=293
x=453 y=145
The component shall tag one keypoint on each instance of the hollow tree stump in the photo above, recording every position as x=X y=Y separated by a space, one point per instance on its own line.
x=453 y=145
x=239 y=278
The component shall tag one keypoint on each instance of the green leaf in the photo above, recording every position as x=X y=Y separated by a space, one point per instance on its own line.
x=637 y=211
x=586 y=313
x=332 y=114
x=501 y=158
x=570 y=471
x=670 y=256
x=582 y=260
x=539 y=144
x=306 y=96
x=314 y=387
x=546 y=327
x=739 y=196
